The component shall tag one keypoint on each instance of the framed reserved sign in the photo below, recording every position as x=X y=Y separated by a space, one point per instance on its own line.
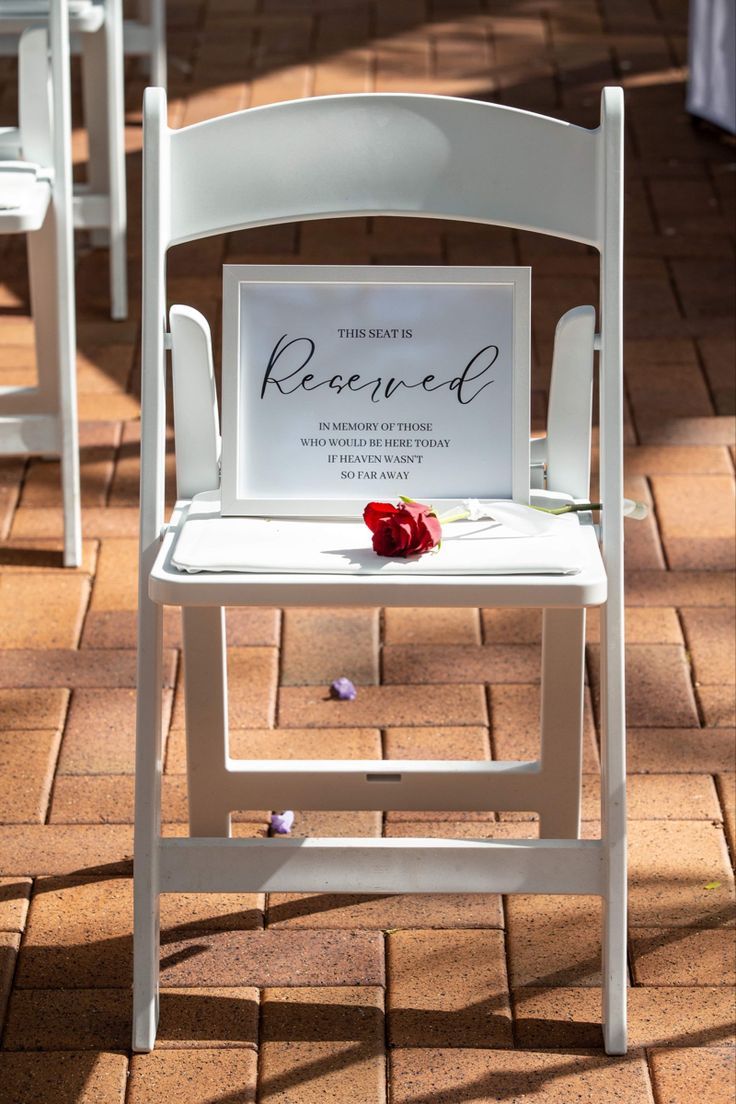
x=343 y=385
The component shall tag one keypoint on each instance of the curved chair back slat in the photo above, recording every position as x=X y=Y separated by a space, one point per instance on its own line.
x=385 y=154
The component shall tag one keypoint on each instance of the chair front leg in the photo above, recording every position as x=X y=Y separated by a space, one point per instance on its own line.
x=205 y=685
x=563 y=665
x=149 y=762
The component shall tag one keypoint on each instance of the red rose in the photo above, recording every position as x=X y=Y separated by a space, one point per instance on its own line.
x=404 y=530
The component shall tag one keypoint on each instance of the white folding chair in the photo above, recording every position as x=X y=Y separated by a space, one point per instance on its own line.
x=36 y=200
x=379 y=155
x=100 y=202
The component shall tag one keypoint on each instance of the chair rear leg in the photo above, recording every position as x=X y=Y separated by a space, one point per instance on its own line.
x=103 y=114
x=116 y=159
x=563 y=665
x=205 y=685
x=147 y=823
x=52 y=304
x=94 y=97
x=613 y=822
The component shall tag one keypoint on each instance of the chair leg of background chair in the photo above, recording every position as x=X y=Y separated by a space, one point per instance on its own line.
x=52 y=304
x=563 y=665
x=103 y=115
x=116 y=155
x=205 y=688
x=147 y=825
x=613 y=831
x=70 y=488
x=156 y=19
x=94 y=78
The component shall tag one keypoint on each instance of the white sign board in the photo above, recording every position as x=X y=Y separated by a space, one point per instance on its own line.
x=346 y=385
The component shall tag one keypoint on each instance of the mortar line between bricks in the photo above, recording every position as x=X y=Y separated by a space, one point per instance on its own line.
x=279 y=670
x=21 y=488
x=16 y=963
x=654 y=511
x=627 y=399
x=704 y=374
x=259 y=1034
x=127 y=1089
x=507 y=961
x=118 y=444
x=650 y=1074
x=52 y=784
x=87 y=609
x=62 y=736
x=687 y=650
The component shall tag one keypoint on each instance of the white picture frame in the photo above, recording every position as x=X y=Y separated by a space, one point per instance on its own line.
x=460 y=380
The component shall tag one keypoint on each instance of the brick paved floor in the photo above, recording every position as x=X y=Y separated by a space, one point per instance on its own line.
x=440 y=1000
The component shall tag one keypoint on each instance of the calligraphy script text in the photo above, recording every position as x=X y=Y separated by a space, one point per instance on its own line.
x=286 y=366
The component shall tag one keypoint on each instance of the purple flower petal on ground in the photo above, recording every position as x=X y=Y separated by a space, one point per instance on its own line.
x=343 y=690
x=281 y=822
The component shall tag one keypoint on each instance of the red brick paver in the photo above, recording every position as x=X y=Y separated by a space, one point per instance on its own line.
x=304 y=998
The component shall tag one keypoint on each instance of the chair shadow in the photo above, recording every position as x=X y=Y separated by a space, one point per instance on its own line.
x=190 y=1016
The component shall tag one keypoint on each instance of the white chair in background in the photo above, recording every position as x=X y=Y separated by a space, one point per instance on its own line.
x=100 y=202
x=36 y=200
x=368 y=155
x=145 y=37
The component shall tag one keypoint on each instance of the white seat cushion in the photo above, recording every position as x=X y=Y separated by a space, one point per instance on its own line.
x=208 y=542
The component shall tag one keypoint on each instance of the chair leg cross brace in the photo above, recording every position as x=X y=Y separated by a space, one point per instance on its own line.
x=362 y=865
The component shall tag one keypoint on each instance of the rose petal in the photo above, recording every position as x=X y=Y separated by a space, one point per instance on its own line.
x=418 y=510
x=376 y=514
x=343 y=690
x=404 y=530
x=434 y=528
x=281 y=822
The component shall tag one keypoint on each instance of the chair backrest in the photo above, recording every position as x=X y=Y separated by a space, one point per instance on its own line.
x=34 y=97
x=381 y=154
x=43 y=135
x=384 y=154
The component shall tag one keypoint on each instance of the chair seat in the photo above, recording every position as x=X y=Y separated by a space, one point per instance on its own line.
x=207 y=559
x=25 y=193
